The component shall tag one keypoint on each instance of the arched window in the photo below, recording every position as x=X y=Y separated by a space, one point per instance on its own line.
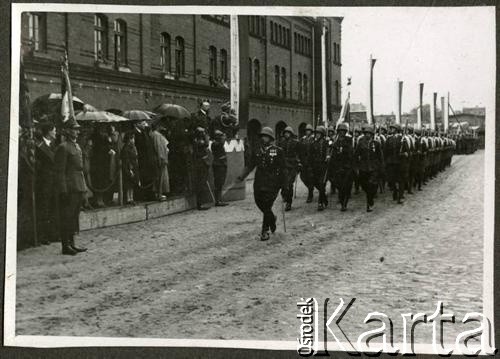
x=100 y=37
x=305 y=86
x=37 y=31
x=337 y=92
x=165 y=52
x=120 y=43
x=338 y=54
x=299 y=86
x=256 y=76
x=276 y=36
x=280 y=34
x=223 y=64
x=263 y=26
x=283 y=82
x=277 y=80
x=179 y=56
x=212 y=64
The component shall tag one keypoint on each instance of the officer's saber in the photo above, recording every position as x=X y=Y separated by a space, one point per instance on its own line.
x=211 y=193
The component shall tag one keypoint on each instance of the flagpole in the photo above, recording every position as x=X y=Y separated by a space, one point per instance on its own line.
x=323 y=76
x=399 y=100
x=235 y=68
x=446 y=113
x=369 y=116
x=433 y=111
x=420 y=105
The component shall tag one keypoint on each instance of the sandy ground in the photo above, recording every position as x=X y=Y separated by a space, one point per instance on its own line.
x=206 y=275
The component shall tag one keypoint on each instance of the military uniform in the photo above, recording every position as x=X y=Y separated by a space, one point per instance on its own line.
x=382 y=138
x=369 y=157
x=269 y=162
x=420 y=157
x=290 y=148
x=396 y=160
x=201 y=164
x=341 y=152
x=318 y=161
x=306 y=173
x=70 y=186
x=219 y=166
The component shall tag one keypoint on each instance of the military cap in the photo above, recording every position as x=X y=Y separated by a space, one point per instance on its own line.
x=267 y=131
x=321 y=129
x=343 y=127
x=71 y=124
x=397 y=126
x=289 y=129
x=218 y=133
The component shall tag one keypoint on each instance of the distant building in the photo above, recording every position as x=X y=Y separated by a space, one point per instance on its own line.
x=480 y=111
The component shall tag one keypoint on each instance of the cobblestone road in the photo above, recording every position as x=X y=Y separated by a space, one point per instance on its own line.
x=205 y=274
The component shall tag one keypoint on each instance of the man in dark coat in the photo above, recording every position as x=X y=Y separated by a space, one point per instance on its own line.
x=318 y=160
x=201 y=119
x=146 y=157
x=269 y=178
x=290 y=147
x=341 y=158
x=46 y=199
x=369 y=158
x=70 y=186
x=201 y=163
x=306 y=174
x=219 y=166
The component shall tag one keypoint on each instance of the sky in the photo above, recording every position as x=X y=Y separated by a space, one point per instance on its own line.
x=448 y=49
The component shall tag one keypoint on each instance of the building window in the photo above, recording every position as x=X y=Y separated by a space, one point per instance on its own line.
x=306 y=89
x=256 y=76
x=299 y=86
x=338 y=54
x=335 y=52
x=37 y=31
x=283 y=82
x=212 y=65
x=165 y=52
x=263 y=26
x=272 y=31
x=120 y=43
x=100 y=37
x=337 y=92
x=250 y=74
x=223 y=65
x=179 y=56
x=276 y=80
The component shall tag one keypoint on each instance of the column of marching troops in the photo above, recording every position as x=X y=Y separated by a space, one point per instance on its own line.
x=402 y=159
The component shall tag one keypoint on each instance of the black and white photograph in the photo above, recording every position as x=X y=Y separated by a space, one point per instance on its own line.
x=311 y=179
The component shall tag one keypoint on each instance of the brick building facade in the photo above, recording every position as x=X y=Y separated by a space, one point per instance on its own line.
x=138 y=61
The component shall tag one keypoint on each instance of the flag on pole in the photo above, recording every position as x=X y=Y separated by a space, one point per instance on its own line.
x=399 y=100
x=446 y=112
x=420 y=108
x=67 y=110
x=369 y=116
x=433 y=112
x=324 y=109
x=345 y=111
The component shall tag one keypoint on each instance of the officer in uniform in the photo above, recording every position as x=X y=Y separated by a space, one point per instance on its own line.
x=381 y=136
x=70 y=186
x=201 y=164
x=355 y=139
x=330 y=138
x=269 y=178
x=306 y=174
x=420 y=158
x=370 y=160
x=318 y=160
x=219 y=166
x=412 y=161
x=341 y=158
x=396 y=149
x=290 y=147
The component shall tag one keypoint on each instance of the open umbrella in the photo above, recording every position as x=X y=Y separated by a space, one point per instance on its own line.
x=50 y=105
x=138 y=115
x=116 y=111
x=99 y=116
x=172 y=111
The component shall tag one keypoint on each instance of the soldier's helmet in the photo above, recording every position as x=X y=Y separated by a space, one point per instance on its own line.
x=397 y=126
x=369 y=129
x=418 y=131
x=290 y=130
x=309 y=127
x=343 y=127
x=321 y=129
x=218 y=133
x=267 y=131
x=331 y=128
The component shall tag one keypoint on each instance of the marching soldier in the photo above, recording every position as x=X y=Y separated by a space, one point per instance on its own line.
x=420 y=158
x=370 y=159
x=355 y=139
x=70 y=186
x=201 y=164
x=269 y=178
x=412 y=161
x=396 y=152
x=331 y=168
x=219 y=166
x=382 y=138
x=305 y=168
x=290 y=148
x=318 y=160
x=341 y=158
